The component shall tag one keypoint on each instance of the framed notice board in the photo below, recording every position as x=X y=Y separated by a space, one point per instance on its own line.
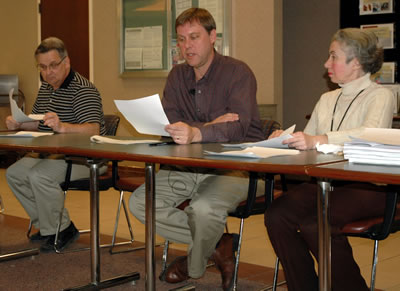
x=383 y=17
x=148 y=39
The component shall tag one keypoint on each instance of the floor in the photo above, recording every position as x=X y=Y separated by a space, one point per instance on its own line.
x=256 y=247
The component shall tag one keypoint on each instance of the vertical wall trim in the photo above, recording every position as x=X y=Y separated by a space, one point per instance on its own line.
x=39 y=30
x=91 y=62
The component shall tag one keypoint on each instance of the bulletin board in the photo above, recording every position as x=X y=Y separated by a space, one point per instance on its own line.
x=147 y=34
x=383 y=17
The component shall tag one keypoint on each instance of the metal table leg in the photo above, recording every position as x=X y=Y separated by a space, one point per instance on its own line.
x=150 y=227
x=96 y=283
x=324 y=236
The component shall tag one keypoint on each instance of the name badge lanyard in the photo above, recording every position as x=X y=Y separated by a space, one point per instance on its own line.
x=344 y=115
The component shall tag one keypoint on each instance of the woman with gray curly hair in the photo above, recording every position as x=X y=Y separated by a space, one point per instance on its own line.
x=291 y=221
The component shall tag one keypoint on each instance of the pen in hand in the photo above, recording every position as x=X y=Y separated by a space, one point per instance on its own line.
x=162 y=143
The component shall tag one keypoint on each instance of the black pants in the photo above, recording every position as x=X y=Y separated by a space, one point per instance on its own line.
x=291 y=223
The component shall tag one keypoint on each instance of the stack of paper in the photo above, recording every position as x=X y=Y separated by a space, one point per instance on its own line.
x=262 y=149
x=268 y=143
x=26 y=134
x=379 y=146
x=255 y=152
x=103 y=139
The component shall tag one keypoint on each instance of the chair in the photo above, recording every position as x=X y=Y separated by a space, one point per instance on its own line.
x=252 y=206
x=377 y=228
x=1 y=205
x=106 y=181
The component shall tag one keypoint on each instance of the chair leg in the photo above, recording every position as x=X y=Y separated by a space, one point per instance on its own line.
x=28 y=233
x=1 y=205
x=275 y=282
x=374 y=263
x=164 y=260
x=276 y=272
x=59 y=224
x=235 y=274
x=113 y=243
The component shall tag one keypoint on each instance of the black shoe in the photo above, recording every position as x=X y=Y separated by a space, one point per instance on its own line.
x=65 y=238
x=38 y=237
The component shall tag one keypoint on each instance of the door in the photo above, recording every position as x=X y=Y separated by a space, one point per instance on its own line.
x=69 y=21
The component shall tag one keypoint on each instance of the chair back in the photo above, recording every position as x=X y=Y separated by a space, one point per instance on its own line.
x=111 y=123
x=268 y=126
x=106 y=180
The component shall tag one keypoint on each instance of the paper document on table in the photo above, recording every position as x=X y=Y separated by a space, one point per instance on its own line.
x=26 y=134
x=275 y=142
x=379 y=146
x=388 y=136
x=103 y=139
x=145 y=114
x=255 y=152
x=17 y=113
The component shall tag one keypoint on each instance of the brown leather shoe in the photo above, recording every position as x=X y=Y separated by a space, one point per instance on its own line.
x=224 y=258
x=177 y=271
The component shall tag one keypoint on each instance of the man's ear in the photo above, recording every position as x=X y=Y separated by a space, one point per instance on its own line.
x=67 y=60
x=213 y=35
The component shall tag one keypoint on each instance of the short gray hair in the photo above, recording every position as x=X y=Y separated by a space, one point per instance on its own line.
x=361 y=44
x=52 y=43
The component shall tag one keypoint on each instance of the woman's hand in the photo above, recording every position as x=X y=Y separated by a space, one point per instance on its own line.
x=302 y=141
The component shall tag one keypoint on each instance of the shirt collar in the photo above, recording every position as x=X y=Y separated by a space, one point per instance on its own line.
x=217 y=58
x=66 y=82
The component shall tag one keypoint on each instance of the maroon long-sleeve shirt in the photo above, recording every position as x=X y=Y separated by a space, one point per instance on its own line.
x=229 y=86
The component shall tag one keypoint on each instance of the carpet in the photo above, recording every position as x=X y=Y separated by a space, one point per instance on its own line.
x=51 y=271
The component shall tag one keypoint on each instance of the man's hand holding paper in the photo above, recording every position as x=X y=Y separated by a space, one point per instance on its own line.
x=145 y=114
x=19 y=116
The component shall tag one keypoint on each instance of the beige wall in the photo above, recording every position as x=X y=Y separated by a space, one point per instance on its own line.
x=247 y=45
x=307 y=29
x=257 y=40
x=19 y=24
x=263 y=34
x=18 y=30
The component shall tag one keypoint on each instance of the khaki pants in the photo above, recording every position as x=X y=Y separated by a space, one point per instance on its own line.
x=36 y=182
x=213 y=195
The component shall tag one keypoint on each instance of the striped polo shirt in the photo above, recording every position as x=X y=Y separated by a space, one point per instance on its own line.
x=76 y=101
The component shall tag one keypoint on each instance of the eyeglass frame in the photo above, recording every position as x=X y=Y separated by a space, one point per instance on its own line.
x=51 y=67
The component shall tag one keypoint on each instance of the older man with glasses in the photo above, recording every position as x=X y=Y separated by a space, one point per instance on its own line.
x=70 y=104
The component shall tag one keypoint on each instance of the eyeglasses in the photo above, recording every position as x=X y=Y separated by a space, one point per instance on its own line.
x=51 y=67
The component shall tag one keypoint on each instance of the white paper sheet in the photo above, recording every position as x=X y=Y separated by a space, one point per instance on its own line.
x=389 y=136
x=269 y=143
x=26 y=134
x=17 y=113
x=255 y=152
x=379 y=146
x=103 y=139
x=145 y=114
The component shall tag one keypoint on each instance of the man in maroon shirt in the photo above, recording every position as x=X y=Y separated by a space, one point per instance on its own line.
x=209 y=98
